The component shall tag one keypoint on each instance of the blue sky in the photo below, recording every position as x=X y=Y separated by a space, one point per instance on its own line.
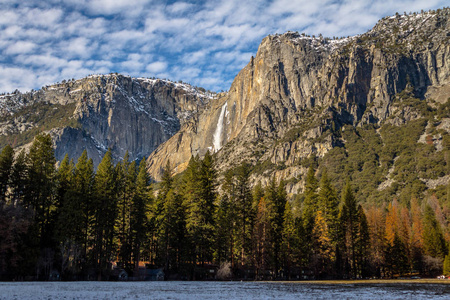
x=204 y=43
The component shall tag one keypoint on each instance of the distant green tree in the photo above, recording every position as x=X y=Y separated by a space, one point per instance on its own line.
x=6 y=163
x=19 y=180
x=433 y=239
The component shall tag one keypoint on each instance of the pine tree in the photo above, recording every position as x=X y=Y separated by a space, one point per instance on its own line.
x=223 y=231
x=41 y=172
x=68 y=229
x=6 y=163
x=349 y=221
x=434 y=242
x=19 y=180
x=328 y=204
x=105 y=206
x=201 y=187
x=245 y=214
x=82 y=194
x=309 y=210
x=263 y=239
x=362 y=244
x=230 y=218
x=290 y=243
x=140 y=211
x=126 y=178
x=310 y=204
x=172 y=232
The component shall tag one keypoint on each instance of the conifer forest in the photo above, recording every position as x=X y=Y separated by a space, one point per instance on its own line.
x=85 y=223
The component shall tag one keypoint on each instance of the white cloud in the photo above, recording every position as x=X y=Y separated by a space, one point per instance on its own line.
x=20 y=47
x=204 y=43
x=108 y=7
x=156 y=67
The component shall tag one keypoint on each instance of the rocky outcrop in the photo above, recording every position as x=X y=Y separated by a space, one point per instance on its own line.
x=109 y=111
x=297 y=84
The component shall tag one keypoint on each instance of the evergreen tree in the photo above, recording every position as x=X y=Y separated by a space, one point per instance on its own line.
x=244 y=214
x=140 y=211
x=105 y=206
x=328 y=204
x=310 y=204
x=309 y=209
x=172 y=232
x=290 y=243
x=434 y=242
x=396 y=259
x=83 y=203
x=349 y=221
x=263 y=239
x=223 y=231
x=126 y=178
x=362 y=244
x=6 y=163
x=41 y=172
x=230 y=218
x=19 y=180
x=69 y=223
x=201 y=188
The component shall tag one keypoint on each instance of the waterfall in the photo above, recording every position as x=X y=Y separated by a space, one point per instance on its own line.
x=218 y=133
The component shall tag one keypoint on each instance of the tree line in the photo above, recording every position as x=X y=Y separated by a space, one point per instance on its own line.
x=82 y=222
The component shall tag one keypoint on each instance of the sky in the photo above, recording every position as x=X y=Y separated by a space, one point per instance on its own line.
x=204 y=43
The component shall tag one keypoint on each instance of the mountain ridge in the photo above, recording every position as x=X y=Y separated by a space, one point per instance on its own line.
x=312 y=87
x=288 y=106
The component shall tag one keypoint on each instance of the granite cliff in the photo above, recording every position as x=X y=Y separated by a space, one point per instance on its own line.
x=300 y=99
x=101 y=112
x=297 y=94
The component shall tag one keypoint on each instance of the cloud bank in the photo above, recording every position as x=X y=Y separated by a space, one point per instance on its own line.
x=204 y=43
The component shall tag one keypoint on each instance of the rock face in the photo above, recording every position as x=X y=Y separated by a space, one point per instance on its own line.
x=290 y=103
x=297 y=88
x=101 y=112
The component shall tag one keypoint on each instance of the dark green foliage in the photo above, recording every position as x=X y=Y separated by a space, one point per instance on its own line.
x=41 y=172
x=79 y=221
x=349 y=220
x=396 y=259
x=126 y=186
x=140 y=210
x=105 y=207
x=433 y=238
x=6 y=163
x=200 y=193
